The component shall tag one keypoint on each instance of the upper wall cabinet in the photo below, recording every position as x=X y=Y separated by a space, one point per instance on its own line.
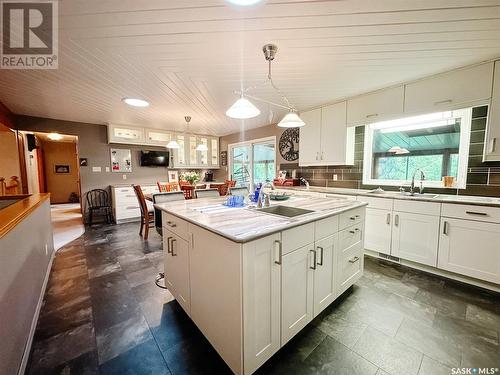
x=463 y=87
x=325 y=140
x=157 y=137
x=492 y=144
x=376 y=106
x=125 y=134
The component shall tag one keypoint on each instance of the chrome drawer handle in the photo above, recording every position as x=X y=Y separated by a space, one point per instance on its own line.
x=445 y=228
x=278 y=242
x=354 y=231
x=396 y=220
x=354 y=217
x=388 y=221
x=372 y=115
x=170 y=224
x=353 y=260
x=313 y=267
x=172 y=251
x=168 y=245
x=476 y=213
x=321 y=250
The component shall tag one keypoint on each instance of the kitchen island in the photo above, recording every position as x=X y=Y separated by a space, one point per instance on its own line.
x=250 y=279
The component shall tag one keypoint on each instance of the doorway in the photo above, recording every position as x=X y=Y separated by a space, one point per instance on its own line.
x=253 y=162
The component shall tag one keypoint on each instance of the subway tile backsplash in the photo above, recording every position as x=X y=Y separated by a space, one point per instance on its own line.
x=482 y=178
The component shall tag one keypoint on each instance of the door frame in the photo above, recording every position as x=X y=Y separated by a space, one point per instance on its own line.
x=251 y=143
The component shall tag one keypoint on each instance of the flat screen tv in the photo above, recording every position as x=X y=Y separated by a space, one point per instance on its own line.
x=154 y=158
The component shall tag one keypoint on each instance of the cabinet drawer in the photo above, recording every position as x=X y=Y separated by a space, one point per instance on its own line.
x=175 y=225
x=352 y=236
x=351 y=217
x=350 y=266
x=297 y=237
x=380 y=203
x=425 y=208
x=326 y=227
x=471 y=212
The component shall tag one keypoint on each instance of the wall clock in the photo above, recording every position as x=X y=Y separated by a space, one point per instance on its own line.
x=289 y=144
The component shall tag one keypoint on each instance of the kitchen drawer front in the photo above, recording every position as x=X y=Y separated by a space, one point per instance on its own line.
x=380 y=203
x=350 y=267
x=175 y=225
x=297 y=237
x=471 y=212
x=326 y=227
x=351 y=217
x=414 y=207
x=352 y=236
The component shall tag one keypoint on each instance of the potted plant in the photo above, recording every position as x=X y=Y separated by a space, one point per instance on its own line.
x=191 y=177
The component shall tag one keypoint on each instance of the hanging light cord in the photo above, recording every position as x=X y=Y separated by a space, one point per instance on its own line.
x=283 y=97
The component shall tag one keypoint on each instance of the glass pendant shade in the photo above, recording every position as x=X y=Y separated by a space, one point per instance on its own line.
x=242 y=109
x=201 y=147
x=172 y=144
x=291 y=120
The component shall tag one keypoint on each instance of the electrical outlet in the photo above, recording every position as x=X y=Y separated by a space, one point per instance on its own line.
x=124 y=176
x=335 y=177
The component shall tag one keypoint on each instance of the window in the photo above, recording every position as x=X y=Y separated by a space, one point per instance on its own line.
x=253 y=162
x=436 y=143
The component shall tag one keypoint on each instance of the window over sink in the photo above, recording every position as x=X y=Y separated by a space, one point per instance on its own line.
x=436 y=143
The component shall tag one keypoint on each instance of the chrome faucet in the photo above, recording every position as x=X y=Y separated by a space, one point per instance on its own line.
x=422 y=178
x=266 y=196
x=305 y=182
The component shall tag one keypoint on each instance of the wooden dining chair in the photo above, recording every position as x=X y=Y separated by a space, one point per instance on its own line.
x=147 y=217
x=188 y=191
x=206 y=193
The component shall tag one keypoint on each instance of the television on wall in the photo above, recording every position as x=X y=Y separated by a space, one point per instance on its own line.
x=154 y=158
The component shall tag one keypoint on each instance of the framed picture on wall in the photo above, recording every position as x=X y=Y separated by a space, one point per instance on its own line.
x=61 y=168
x=173 y=176
x=121 y=160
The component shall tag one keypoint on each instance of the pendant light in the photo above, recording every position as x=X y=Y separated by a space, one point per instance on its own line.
x=172 y=144
x=243 y=108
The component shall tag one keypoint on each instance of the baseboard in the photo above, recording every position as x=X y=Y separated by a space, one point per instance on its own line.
x=437 y=271
x=27 y=348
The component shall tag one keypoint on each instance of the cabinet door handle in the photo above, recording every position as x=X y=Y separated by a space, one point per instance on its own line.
x=493 y=145
x=313 y=267
x=476 y=213
x=173 y=240
x=447 y=101
x=445 y=228
x=321 y=250
x=354 y=231
x=353 y=260
x=168 y=245
x=396 y=220
x=170 y=224
x=372 y=115
x=280 y=252
x=388 y=220
x=354 y=217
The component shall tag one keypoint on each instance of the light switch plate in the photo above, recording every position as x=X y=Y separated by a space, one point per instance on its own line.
x=96 y=169
x=107 y=169
x=124 y=176
x=335 y=177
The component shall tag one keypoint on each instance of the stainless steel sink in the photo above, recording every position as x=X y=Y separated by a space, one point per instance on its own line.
x=284 y=211
x=418 y=195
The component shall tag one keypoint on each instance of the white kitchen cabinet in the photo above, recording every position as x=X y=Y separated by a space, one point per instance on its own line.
x=378 y=229
x=297 y=280
x=415 y=237
x=325 y=139
x=177 y=269
x=310 y=135
x=376 y=106
x=324 y=274
x=350 y=262
x=157 y=137
x=125 y=203
x=456 y=89
x=470 y=248
x=126 y=134
x=186 y=156
x=492 y=143
x=261 y=300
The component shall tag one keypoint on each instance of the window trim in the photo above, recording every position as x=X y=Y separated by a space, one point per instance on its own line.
x=463 y=156
x=251 y=143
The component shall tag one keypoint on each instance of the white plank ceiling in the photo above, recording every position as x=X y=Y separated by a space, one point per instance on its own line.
x=187 y=57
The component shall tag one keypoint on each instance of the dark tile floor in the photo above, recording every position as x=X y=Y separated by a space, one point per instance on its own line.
x=103 y=314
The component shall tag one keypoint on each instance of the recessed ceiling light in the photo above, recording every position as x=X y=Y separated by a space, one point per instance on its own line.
x=134 y=102
x=244 y=3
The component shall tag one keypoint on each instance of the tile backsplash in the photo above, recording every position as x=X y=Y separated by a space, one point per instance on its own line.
x=482 y=178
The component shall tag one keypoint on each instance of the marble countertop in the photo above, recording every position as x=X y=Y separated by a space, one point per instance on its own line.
x=427 y=197
x=247 y=224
